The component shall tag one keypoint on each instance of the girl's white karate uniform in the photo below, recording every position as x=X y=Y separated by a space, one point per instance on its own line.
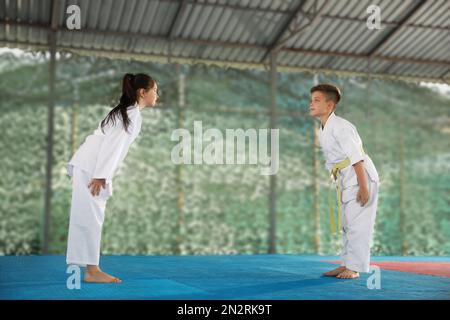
x=98 y=157
x=339 y=140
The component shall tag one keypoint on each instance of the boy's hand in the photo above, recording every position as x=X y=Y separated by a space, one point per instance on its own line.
x=95 y=186
x=363 y=195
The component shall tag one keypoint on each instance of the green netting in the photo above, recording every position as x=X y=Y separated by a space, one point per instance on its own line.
x=161 y=208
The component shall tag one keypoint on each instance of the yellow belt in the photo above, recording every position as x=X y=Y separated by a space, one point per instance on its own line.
x=335 y=176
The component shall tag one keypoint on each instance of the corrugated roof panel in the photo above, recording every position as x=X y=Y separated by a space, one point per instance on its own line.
x=344 y=63
x=392 y=11
x=376 y=66
x=419 y=39
x=357 y=40
x=336 y=42
x=148 y=16
x=314 y=60
x=157 y=18
x=220 y=24
x=214 y=53
x=324 y=60
x=366 y=40
x=250 y=55
x=437 y=72
x=180 y=25
x=228 y=26
x=234 y=55
x=395 y=69
x=438 y=44
x=190 y=23
x=250 y=34
x=349 y=9
x=204 y=14
x=158 y=48
x=424 y=69
x=359 y=12
x=439 y=53
x=341 y=44
x=443 y=18
x=392 y=42
x=184 y=49
x=278 y=5
x=286 y=58
x=295 y=60
x=104 y=17
x=107 y=43
x=240 y=55
x=329 y=35
x=307 y=39
x=3 y=10
x=23 y=10
x=223 y=54
x=11 y=9
x=94 y=14
x=308 y=5
x=363 y=65
x=430 y=11
x=343 y=8
x=215 y=22
x=138 y=18
x=302 y=59
x=39 y=12
x=243 y=24
x=391 y=46
x=248 y=22
x=22 y=33
x=273 y=30
x=232 y=27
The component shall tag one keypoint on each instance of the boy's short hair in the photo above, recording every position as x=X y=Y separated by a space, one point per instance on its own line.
x=331 y=92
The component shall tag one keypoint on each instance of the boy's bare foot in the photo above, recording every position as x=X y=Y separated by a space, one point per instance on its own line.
x=94 y=274
x=335 y=272
x=348 y=274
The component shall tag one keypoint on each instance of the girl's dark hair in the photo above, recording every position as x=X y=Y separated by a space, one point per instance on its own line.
x=131 y=83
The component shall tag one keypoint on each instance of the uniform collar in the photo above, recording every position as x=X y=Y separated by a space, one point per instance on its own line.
x=136 y=105
x=329 y=121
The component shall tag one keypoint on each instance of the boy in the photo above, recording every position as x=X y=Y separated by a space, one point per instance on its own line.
x=356 y=177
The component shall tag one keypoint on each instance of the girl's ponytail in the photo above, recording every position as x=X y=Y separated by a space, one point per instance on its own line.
x=131 y=83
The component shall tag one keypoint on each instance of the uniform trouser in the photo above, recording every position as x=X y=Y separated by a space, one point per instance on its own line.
x=87 y=214
x=357 y=227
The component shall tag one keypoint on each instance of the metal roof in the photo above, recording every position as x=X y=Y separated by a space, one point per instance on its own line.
x=318 y=36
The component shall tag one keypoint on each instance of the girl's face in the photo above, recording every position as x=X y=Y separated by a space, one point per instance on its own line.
x=149 y=97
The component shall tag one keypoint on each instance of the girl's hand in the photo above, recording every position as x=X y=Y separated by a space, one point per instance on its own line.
x=362 y=196
x=95 y=186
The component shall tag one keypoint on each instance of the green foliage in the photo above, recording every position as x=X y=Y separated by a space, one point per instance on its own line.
x=160 y=208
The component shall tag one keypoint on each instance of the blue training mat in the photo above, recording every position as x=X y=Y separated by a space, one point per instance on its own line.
x=214 y=277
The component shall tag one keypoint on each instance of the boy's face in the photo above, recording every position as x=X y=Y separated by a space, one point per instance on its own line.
x=319 y=106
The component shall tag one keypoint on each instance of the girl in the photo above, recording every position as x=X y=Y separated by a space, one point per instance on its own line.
x=92 y=168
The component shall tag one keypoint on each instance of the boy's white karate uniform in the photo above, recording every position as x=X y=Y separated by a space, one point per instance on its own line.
x=98 y=157
x=339 y=140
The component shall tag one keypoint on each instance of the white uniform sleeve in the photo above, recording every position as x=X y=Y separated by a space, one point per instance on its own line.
x=350 y=144
x=115 y=143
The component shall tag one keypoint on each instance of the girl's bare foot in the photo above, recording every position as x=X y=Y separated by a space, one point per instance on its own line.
x=94 y=274
x=334 y=272
x=348 y=274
